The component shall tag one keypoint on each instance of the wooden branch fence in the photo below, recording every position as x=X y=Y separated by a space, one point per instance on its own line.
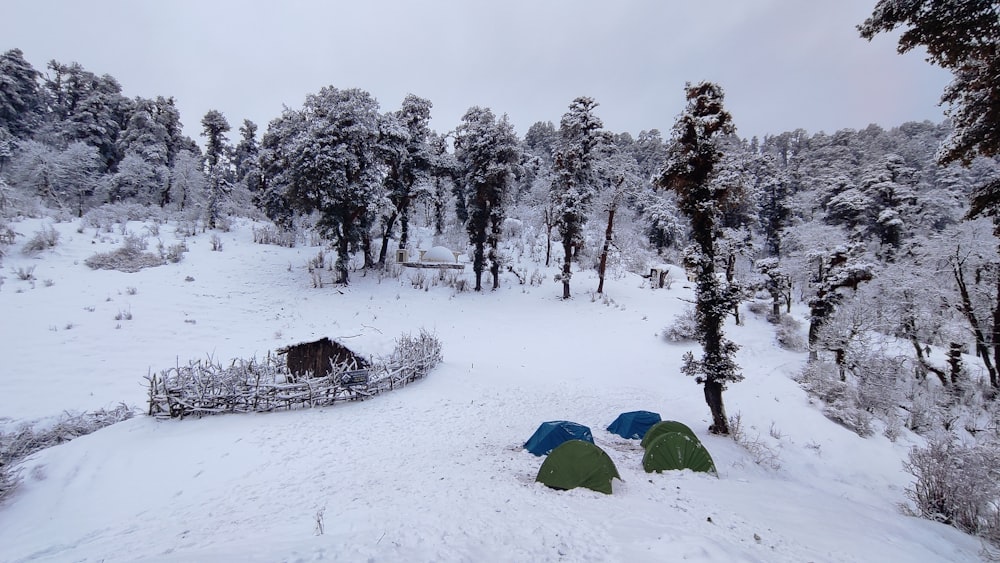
x=207 y=387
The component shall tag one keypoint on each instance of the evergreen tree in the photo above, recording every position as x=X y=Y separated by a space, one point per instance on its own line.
x=541 y=140
x=324 y=158
x=21 y=100
x=215 y=127
x=409 y=160
x=772 y=186
x=692 y=157
x=137 y=181
x=963 y=37
x=834 y=272
x=245 y=156
x=576 y=177
x=445 y=174
x=86 y=107
x=488 y=153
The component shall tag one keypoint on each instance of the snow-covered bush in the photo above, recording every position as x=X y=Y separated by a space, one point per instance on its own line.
x=270 y=234
x=760 y=451
x=26 y=440
x=418 y=353
x=684 y=327
x=759 y=308
x=105 y=217
x=174 y=253
x=789 y=335
x=958 y=485
x=10 y=478
x=7 y=236
x=44 y=239
x=879 y=380
x=822 y=380
x=130 y=257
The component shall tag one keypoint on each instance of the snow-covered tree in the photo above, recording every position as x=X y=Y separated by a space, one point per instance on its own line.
x=21 y=100
x=692 y=157
x=622 y=173
x=664 y=226
x=245 y=156
x=86 y=107
x=963 y=37
x=65 y=179
x=324 y=158
x=576 y=178
x=79 y=176
x=835 y=272
x=409 y=161
x=214 y=129
x=137 y=181
x=187 y=181
x=445 y=174
x=488 y=152
x=774 y=187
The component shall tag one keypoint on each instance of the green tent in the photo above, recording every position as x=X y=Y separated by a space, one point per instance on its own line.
x=576 y=463
x=666 y=426
x=675 y=450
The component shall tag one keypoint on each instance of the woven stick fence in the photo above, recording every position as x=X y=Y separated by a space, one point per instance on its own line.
x=207 y=387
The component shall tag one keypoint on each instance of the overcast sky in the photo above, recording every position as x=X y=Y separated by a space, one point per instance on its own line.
x=783 y=64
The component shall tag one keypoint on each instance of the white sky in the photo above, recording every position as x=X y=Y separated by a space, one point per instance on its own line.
x=783 y=64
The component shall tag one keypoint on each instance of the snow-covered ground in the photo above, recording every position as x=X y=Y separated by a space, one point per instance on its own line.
x=431 y=472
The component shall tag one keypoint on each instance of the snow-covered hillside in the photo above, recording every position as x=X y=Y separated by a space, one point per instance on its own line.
x=431 y=472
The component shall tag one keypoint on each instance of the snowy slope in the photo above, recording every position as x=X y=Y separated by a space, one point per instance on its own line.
x=432 y=472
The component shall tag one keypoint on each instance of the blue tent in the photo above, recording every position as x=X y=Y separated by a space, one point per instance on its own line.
x=551 y=434
x=633 y=424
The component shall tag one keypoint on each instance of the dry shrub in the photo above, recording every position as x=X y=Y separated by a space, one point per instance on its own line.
x=684 y=327
x=958 y=485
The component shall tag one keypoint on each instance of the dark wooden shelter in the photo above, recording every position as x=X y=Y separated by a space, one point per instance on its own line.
x=316 y=359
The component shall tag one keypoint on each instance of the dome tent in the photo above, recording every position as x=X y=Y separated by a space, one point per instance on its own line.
x=553 y=433
x=576 y=463
x=633 y=424
x=664 y=427
x=674 y=451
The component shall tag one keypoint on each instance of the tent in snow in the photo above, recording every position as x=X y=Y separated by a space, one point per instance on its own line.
x=576 y=463
x=675 y=450
x=633 y=424
x=664 y=427
x=551 y=434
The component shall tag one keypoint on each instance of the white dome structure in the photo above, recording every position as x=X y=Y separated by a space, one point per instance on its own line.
x=438 y=254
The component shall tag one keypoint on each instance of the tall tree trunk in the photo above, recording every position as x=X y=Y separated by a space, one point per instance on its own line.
x=996 y=325
x=713 y=397
x=548 y=237
x=730 y=276
x=388 y=225
x=567 y=272
x=366 y=248
x=478 y=258
x=343 y=255
x=955 y=362
x=970 y=314
x=404 y=223
x=607 y=248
